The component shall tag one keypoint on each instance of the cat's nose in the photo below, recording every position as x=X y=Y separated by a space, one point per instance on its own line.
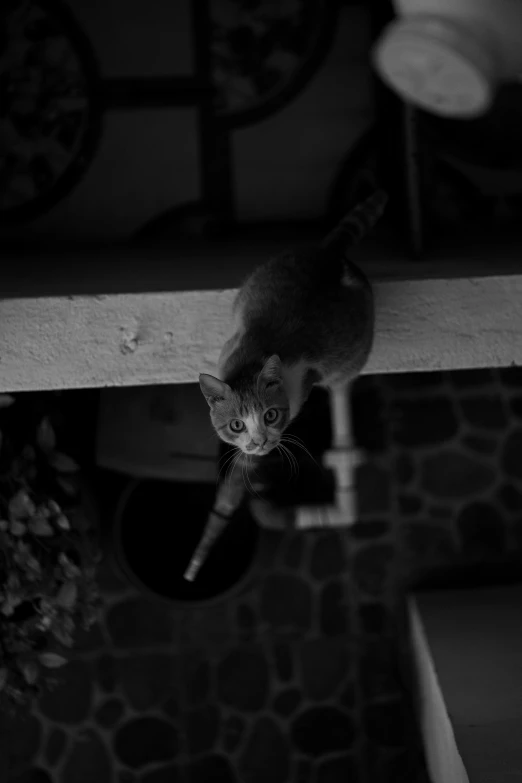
x=255 y=446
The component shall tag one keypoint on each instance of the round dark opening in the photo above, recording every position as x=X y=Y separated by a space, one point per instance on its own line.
x=157 y=529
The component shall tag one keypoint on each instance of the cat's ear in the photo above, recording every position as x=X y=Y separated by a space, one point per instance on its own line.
x=213 y=389
x=271 y=374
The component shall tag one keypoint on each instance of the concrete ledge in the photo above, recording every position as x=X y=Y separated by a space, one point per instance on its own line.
x=68 y=327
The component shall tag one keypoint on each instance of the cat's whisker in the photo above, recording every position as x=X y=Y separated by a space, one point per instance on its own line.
x=212 y=436
x=229 y=471
x=283 y=454
x=232 y=453
x=294 y=465
x=229 y=453
x=242 y=462
x=297 y=442
x=283 y=440
x=291 y=459
x=295 y=438
x=244 y=474
x=295 y=460
x=293 y=443
x=253 y=464
x=249 y=479
x=232 y=466
x=297 y=465
x=286 y=458
x=227 y=460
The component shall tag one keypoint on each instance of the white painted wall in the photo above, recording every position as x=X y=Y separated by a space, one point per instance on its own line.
x=474 y=638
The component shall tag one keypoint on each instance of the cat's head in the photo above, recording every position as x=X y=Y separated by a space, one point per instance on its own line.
x=252 y=416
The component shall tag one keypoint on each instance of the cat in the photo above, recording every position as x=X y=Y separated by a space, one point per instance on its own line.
x=301 y=319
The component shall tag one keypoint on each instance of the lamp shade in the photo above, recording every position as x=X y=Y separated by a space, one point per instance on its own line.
x=439 y=65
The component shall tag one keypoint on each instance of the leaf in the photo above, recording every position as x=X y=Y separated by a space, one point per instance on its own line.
x=67 y=486
x=45 y=436
x=4 y=525
x=6 y=400
x=18 y=528
x=21 y=506
x=53 y=506
x=63 y=463
x=70 y=570
x=42 y=511
x=63 y=637
x=10 y=604
x=45 y=623
x=40 y=527
x=13 y=581
x=30 y=672
x=6 y=608
x=52 y=660
x=3 y=678
x=63 y=523
x=63 y=630
x=67 y=595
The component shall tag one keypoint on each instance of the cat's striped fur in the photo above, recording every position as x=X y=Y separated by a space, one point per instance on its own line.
x=299 y=319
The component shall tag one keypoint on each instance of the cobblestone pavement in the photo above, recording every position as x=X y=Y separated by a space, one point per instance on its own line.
x=301 y=675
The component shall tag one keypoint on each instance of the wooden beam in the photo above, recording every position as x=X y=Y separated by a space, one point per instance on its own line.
x=132 y=319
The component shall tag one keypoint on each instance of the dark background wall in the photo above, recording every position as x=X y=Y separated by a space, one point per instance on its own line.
x=293 y=95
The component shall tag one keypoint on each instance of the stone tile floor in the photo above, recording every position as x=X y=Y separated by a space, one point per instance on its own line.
x=303 y=674
x=297 y=677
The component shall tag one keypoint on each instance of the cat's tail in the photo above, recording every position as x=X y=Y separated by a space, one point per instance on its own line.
x=357 y=223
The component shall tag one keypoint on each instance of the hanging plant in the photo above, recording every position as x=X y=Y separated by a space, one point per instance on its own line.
x=48 y=557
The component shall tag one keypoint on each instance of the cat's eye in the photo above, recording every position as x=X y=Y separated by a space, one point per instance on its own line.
x=236 y=425
x=271 y=415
